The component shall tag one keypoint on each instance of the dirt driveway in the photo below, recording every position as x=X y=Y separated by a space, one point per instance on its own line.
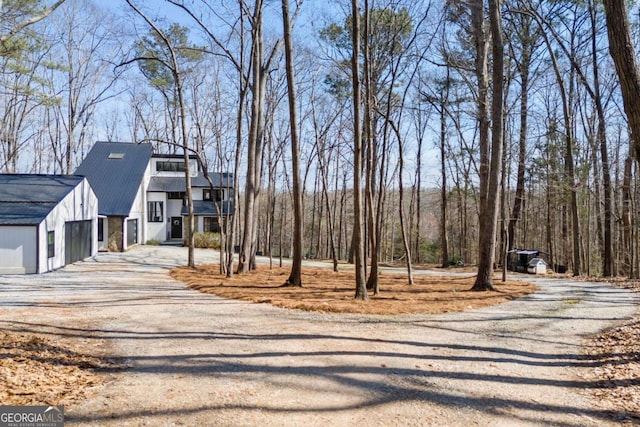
x=199 y=360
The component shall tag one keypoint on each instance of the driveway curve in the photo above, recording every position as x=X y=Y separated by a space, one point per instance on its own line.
x=197 y=360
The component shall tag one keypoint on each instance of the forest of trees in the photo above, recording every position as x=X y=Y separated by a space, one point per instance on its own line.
x=476 y=127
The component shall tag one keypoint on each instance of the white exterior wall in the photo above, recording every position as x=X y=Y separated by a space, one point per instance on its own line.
x=18 y=249
x=161 y=231
x=138 y=211
x=158 y=230
x=80 y=204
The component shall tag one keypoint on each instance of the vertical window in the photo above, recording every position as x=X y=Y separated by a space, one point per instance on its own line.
x=154 y=211
x=51 y=244
x=100 y=229
x=210 y=224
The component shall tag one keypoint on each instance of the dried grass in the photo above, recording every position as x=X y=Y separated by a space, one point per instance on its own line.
x=326 y=291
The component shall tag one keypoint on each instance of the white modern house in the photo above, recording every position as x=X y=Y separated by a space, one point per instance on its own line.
x=46 y=222
x=142 y=195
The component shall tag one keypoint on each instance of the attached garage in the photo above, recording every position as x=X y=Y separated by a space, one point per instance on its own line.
x=46 y=222
x=77 y=237
x=18 y=248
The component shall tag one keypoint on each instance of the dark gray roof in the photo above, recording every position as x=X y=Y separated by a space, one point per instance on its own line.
x=207 y=208
x=167 y=184
x=27 y=199
x=116 y=180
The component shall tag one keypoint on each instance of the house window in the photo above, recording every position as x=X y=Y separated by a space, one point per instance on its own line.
x=100 y=229
x=178 y=195
x=154 y=212
x=217 y=194
x=210 y=224
x=168 y=166
x=51 y=244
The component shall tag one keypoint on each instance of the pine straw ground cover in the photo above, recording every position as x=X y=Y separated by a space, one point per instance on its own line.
x=35 y=371
x=324 y=290
x=616 y=356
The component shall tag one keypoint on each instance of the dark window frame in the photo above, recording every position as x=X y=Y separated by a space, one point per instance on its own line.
x=210 y=224
x=51 y=244
x=155 y=211
x=100 y=229
x=207 y=194
x=170 y=166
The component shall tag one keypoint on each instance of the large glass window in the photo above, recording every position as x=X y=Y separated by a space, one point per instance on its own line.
x=176 y=195
x=210 y=224
x=154 y=212
x=51 y=244
x=216 y=196
x=171 y=166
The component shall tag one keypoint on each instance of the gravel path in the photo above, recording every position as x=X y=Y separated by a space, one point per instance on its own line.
x=198 y=360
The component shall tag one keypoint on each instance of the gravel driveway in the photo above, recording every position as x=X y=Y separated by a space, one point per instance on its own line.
x=199 y=360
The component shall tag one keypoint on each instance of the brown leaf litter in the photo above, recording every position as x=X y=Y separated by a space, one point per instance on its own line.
x=616 y=357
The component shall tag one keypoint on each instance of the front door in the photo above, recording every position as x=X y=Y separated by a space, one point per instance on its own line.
x=176 y=227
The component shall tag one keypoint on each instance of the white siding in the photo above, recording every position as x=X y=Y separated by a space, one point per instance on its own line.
x=79 y=205
x=158 y=230
x=18 y=250
x=138 y=211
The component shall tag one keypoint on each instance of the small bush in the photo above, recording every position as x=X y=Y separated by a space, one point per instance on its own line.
x=153 y=242
x=207 y=240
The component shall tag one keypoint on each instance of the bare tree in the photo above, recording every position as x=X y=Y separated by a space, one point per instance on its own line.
x=295 y=277
x=171 y=64
x=490 y=154
x=358 y=240
x=622 y=51
x=88 y=49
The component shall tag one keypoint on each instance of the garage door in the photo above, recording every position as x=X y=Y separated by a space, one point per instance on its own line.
x=18 y=253
x=77 y=241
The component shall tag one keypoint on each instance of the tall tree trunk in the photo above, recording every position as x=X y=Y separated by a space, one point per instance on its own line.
x=405 y=237
x=295 y=277
x=251 y=183
x=566 y=96
x=444 y=237
x=371 y=150
x=627 y=216
x=623 y=53
x=358 y=241
x=177 y=76
x=607 y=258
x=490 y=172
